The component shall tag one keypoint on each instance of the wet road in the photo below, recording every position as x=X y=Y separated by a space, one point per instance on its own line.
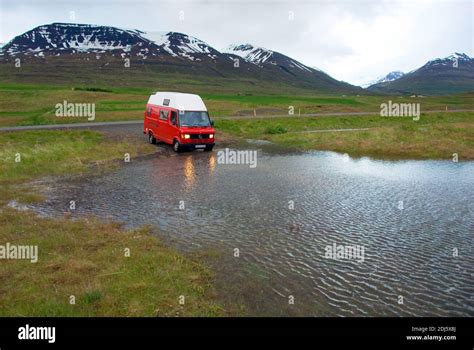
x=125 y=123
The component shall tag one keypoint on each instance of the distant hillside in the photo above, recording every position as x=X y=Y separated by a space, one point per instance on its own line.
x=452 y=74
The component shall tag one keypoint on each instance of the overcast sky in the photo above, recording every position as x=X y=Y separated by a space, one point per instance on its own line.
x=354 y=41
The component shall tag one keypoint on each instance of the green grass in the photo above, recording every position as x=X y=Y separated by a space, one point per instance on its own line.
x=257 y=126
x=92 y=89
x=26 y=104
x=437 y=135
x=86 y=258
x=275 y=129
x=275 y=100
x=56 y=152
x=84 y=261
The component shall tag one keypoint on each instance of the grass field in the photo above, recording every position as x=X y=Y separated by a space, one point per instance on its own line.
x=23 y=104
x=434 y=136
x=51 y=152
x=86 y=258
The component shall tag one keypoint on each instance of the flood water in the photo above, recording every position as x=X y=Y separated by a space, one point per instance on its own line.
x=413 y=219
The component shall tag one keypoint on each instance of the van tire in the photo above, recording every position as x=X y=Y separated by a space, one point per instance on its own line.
x=176 y=146
x=151 y=139
x=208 y=148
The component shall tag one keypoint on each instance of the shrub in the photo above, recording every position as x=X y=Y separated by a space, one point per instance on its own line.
x=275 y=129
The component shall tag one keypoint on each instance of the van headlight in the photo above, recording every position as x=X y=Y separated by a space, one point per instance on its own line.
x=186 y=136
x=211 y=136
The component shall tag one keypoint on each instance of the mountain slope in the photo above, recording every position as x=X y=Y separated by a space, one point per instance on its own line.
x=75 y=45
x=70 y=38
x=284 y=65
x=386 y=78
x=452 y=74
x=261 y=56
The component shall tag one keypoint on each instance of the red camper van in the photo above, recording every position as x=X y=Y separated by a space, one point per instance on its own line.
x=180 y=120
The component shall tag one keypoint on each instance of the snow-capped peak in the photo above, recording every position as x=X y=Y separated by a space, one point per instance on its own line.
x=58 y=37
x=252 y=54
x=72 y=37
x=458 y=56
x=454 y=57
x=179 y=44
x=386 y=78
x=261 y=55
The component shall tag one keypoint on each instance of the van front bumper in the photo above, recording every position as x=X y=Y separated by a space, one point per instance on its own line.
x=195 y=141
x=200 y=145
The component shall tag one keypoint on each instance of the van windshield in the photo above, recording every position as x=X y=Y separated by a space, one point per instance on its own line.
x=194 y=118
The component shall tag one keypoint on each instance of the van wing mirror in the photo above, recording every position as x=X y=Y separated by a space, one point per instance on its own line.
x=212 y=122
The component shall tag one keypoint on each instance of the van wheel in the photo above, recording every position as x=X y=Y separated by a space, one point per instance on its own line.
x=208 y=148
x=176 y=146
x=151 y=139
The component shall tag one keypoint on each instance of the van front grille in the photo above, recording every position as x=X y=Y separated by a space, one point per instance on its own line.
x=199 y=136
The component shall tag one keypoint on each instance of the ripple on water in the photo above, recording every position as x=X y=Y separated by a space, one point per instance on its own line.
x=408 y=252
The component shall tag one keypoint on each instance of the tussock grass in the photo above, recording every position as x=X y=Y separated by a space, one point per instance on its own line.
x=434 y=136
x=56 y=152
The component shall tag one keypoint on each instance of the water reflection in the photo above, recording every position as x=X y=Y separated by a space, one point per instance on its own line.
x=212 y=163
x=189 y=173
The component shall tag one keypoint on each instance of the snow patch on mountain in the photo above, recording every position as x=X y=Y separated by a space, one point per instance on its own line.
x=178 y=44
x=261 y=55
x=252 y=54
x=386 y=78
x=449 y=60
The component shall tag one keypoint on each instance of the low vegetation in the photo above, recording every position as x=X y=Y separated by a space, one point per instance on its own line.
x=86 y=267
x=275 y=129
x=26 y=104
x=434 y=136
x=91 y=268
x=29 y=154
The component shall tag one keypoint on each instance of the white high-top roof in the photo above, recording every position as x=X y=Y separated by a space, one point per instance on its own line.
x=178 y=100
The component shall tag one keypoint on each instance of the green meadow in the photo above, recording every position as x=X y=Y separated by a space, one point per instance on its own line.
x=27 y=104
x=433 y=136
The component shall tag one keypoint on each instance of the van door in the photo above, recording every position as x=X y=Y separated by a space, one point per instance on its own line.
x=163 y=125
x=151 y=119
x=173 y=125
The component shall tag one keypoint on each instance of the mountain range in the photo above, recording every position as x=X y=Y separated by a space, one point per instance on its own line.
x=452 y=74
x=173 y=52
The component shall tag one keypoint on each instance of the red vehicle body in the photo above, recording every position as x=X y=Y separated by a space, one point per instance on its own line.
x=180 y=120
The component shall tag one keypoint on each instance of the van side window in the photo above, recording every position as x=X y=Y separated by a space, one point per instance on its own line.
x=173 y=118
x=164 y=115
